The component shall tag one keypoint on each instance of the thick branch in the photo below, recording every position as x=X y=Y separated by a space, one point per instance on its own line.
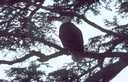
x=16 y=60
x=43 y=57
x=85 y=55
x=104 y=55
x=108 y=72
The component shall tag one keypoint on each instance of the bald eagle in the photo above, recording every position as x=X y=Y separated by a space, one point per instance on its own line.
x=71 y=38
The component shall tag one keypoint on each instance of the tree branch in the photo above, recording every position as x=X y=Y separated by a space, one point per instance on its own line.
x=109 y=72
x=42 y=57
x=15 y=60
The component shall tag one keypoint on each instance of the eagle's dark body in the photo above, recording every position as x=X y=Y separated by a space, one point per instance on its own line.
x=71 y=37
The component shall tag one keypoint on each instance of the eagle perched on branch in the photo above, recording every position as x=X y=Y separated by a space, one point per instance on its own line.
x=70 y=36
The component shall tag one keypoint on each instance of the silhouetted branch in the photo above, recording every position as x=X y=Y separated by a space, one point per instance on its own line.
x=15 y=60
x=85 y=55
x=43 y=57
x=107 y=73
x=46 y=58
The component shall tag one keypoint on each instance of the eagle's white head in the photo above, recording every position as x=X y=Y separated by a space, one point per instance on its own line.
x=65 y=19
